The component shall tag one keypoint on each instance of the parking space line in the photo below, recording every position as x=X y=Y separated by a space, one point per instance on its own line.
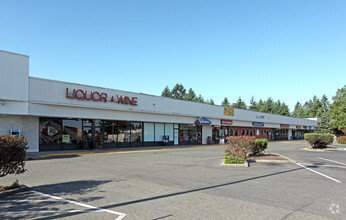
x=338 y=181
x=121 y=215
x=49 y=211
x=29 y=200
x=332 y=161
x=323 y=165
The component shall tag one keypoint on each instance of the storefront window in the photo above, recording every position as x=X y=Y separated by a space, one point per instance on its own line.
x=136 y=132
x=184 y=133
x=243 y=132
x=72 y=131
x=149 y=132
x=109 y=135
x=124 y=132
x=236 y=132
x=231 y=132
x=247 y=132
x=169 y=131
x=50 y=131
x=159 y=131
x=193 y=133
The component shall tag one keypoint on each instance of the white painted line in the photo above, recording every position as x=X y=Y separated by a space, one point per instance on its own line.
x=332 y=161
x=121 y=215
x=323 y=165
x=49 y=211
x=338 y=181
x=29 y=200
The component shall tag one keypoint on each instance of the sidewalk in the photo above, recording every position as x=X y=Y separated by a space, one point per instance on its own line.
x=61 y=153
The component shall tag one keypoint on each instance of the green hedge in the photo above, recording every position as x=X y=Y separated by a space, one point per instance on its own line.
x=260 y=146
x=319 y=140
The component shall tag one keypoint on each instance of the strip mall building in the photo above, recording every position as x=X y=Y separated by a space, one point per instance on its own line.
x=56 y=115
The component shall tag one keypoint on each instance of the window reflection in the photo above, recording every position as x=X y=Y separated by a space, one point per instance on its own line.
x=50 y=131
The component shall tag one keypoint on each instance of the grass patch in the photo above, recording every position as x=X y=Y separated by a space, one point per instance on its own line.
x=14 y=185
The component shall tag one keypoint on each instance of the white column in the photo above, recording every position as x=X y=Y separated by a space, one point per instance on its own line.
x=289 y=134
x=206 y=131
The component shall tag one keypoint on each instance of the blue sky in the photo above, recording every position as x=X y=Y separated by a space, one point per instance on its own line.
x=287 y=50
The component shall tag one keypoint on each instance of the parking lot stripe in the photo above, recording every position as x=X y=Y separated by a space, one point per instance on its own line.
x=323 y=165
x=338 y=181
x=121 y=215
x=50 y=211
x=29 y=200
x=332 y=161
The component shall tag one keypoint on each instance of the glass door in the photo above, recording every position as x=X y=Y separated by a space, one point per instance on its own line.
x=87 y=138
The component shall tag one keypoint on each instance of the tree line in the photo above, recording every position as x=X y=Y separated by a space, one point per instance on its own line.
x=333 y=114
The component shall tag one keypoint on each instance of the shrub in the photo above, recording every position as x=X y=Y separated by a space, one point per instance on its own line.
x=319 y=140
x=342 y=140
x=12 y=154
x=237 y=148
x=259 y=146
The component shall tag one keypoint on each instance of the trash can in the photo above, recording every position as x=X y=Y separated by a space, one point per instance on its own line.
x=209 y=140
x=165 y=140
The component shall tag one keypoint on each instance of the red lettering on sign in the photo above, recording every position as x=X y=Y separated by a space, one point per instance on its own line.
x=96 y=98
x=104 y=97
x=133 y=101
x=86 y=95
x=99 y=97
x=127 y=100
x=120 y=99
x=68 y=96
x=80 y=94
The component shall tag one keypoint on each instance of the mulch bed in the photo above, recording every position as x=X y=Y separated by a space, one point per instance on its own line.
x=268 y=156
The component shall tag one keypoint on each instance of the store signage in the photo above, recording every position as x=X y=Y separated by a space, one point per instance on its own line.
x=95 y=96
x=228 y=111
x=203 y=121
x=66 y=138
x=284 y=126
x=260 y=116
x=226 y=122
x=298 y=127
x=257 y=124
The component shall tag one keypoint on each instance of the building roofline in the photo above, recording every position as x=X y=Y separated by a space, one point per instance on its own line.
x=4 y=51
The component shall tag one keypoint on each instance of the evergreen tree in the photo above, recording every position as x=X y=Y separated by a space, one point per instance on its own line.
x=285 y=111
x=211 y=102
x=166 y=92
x=338 y=111
x=240 y=104
x=260 y=106
x=268 y=105
x=179 y=92
x=191 y=96
x=200 y=99
x=277 y=108
x=225 y=102
x=253 y=104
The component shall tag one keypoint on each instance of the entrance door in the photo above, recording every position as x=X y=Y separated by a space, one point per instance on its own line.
x=87 y=138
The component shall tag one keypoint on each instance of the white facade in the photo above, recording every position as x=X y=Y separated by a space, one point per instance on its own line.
x=24 y=99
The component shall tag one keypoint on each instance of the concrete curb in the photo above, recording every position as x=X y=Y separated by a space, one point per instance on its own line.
x=246 y=164
x=323 y=150
x=115 y=151
x=288 y=160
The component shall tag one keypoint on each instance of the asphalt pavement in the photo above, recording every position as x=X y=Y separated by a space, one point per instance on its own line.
x=184 y=183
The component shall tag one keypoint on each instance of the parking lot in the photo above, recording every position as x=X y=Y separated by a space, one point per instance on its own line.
x=180 y=184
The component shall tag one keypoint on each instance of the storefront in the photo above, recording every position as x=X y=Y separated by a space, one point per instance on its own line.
x=55 y=115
